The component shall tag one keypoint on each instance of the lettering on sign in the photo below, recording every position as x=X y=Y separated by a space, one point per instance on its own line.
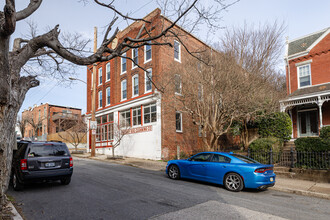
x=140 y=129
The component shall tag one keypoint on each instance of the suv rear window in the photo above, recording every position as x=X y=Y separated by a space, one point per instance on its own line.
x=41 y=150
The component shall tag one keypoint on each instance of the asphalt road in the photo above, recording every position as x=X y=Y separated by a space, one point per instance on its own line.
x=102 y=190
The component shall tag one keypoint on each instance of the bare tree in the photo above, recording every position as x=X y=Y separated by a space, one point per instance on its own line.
x=117 y=132
x=73 y=131
x=36 y=124
x=21 y=122
x=49 y=52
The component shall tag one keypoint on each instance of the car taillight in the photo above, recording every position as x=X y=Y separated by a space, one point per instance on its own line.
x=262 y=170
x=71 y=162
x=23 y=164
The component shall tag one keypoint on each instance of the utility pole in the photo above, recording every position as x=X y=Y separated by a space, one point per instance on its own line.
x=94 y=97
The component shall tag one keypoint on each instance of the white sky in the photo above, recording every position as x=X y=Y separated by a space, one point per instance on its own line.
x=301 y=17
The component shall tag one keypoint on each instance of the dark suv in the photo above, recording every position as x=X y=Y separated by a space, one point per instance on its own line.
x=40 y=161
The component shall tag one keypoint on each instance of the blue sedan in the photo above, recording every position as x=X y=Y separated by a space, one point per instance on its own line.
x=234 y=171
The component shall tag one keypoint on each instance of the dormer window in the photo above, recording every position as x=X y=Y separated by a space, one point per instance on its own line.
x=304 y=75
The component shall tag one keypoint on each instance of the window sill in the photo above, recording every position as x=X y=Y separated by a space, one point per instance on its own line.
x=176 y=93
x=147 y=61
x=134 y=67
x=179 y=61
x=123 y=73
x=179 y=131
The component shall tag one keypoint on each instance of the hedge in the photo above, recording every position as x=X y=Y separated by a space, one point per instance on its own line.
x=325 y=133
x=312 y=144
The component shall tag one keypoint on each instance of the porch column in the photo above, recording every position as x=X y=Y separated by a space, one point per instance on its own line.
x=290 y=113
x=320 y=103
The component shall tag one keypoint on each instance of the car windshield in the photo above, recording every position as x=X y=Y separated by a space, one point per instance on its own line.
x=244 y=158
x=41 y=150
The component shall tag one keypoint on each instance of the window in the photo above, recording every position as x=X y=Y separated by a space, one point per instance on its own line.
x=304 y=73
x=110 y=132
x=100 y=99
x=177 y=51
x=135 y=57
x=150 y=113
x=178 y=121
x=148 y=79
x=107 y=70
x=137 y=116
x=44 y=111
x=104 y=132
x=39 y=116
x=110 y=117
x=200 y=92
x=98 y=134
x=123 y=64
x=100 y=76
x=204 y=157
x=220 y=158
x=147 y=53
x=135 y=83
x=108 y=96
x=125 y=118
x=178 y=84
x=123 y=89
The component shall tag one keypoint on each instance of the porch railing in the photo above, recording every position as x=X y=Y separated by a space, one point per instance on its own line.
x=293 y=159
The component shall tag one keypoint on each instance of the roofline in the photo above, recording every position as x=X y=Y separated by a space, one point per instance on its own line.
x=51 y=105
x=316 y=32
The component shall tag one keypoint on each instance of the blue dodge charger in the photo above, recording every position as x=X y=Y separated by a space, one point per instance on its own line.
x=234 y=171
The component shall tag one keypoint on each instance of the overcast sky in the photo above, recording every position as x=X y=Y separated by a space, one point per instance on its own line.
x=301 y=17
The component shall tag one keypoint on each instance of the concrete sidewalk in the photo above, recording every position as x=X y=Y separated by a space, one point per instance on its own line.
x=301 y=187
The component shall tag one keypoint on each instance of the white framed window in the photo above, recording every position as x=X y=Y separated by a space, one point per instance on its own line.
x=136 y=116
x=304 y=75
x=100 y=99
x=107 y=70
x=177 y=51
x=135 y=58
x=108 y=96
x=149 y=113
x=110 y=132
x=147 y=53
x=135 y=85
x=124 y=89
x=104 y=131
x=125 y=118
x=178 y=121
x=148 y=80
x=100 y=75
x=123 y=64
x=178 y=84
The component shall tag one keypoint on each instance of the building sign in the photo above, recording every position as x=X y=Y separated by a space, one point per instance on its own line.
x=92 y=125
x=140 y=129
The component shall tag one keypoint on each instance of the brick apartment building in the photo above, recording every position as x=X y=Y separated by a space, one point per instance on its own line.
x=308 y=83
x=46 y=118
x=126 y=96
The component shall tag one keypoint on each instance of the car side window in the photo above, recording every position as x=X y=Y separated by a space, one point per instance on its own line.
x=21 y=151
x=220 y=158
x=201 y=157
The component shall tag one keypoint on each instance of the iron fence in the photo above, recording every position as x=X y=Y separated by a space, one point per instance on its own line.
x=293 y=159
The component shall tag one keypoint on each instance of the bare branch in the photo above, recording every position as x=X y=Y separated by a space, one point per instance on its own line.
x=30 y=9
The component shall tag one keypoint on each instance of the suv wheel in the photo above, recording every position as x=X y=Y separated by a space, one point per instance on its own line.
x=66 y=180
x=16 y=184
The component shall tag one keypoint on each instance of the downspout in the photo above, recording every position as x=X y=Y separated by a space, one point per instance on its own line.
x=287 y=62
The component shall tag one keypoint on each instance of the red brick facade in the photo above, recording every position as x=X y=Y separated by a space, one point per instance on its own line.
x=308 y=104
x=162 y=59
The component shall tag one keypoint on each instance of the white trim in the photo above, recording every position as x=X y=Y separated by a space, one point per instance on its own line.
x=304 y=63
x=310 y=75
x=135 y=76
x=307 y=95
x=145 y=81
x=98 y=104
x=106 y=73
x=121 y=90
x=133 y=67
x=178 y=60
x=181 y=130
x=121 y=64
x=145 y=53
x=319 y=39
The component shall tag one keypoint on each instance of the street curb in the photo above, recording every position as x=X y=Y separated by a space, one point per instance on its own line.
x=302 y=192
x=16 y=215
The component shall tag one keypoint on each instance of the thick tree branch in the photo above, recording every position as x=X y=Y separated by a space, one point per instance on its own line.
x=8 y=23
x=30 y=9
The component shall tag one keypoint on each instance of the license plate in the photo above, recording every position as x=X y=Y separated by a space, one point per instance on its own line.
x=271 y=179
x=50 y=164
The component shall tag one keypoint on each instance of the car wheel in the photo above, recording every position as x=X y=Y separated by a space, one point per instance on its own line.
x=233 y=182
x=66 y=180
x=174 y=172
x=16 y=184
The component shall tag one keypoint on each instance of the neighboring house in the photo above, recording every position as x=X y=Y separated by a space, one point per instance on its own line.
x=308 y=83
x=126 y=97
x=46 y=119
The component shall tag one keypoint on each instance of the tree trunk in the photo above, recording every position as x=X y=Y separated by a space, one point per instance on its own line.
x=113 y=152
x=8 y=117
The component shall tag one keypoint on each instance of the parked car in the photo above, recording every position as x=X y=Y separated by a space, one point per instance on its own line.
x=41 y=161
x=234 y=171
